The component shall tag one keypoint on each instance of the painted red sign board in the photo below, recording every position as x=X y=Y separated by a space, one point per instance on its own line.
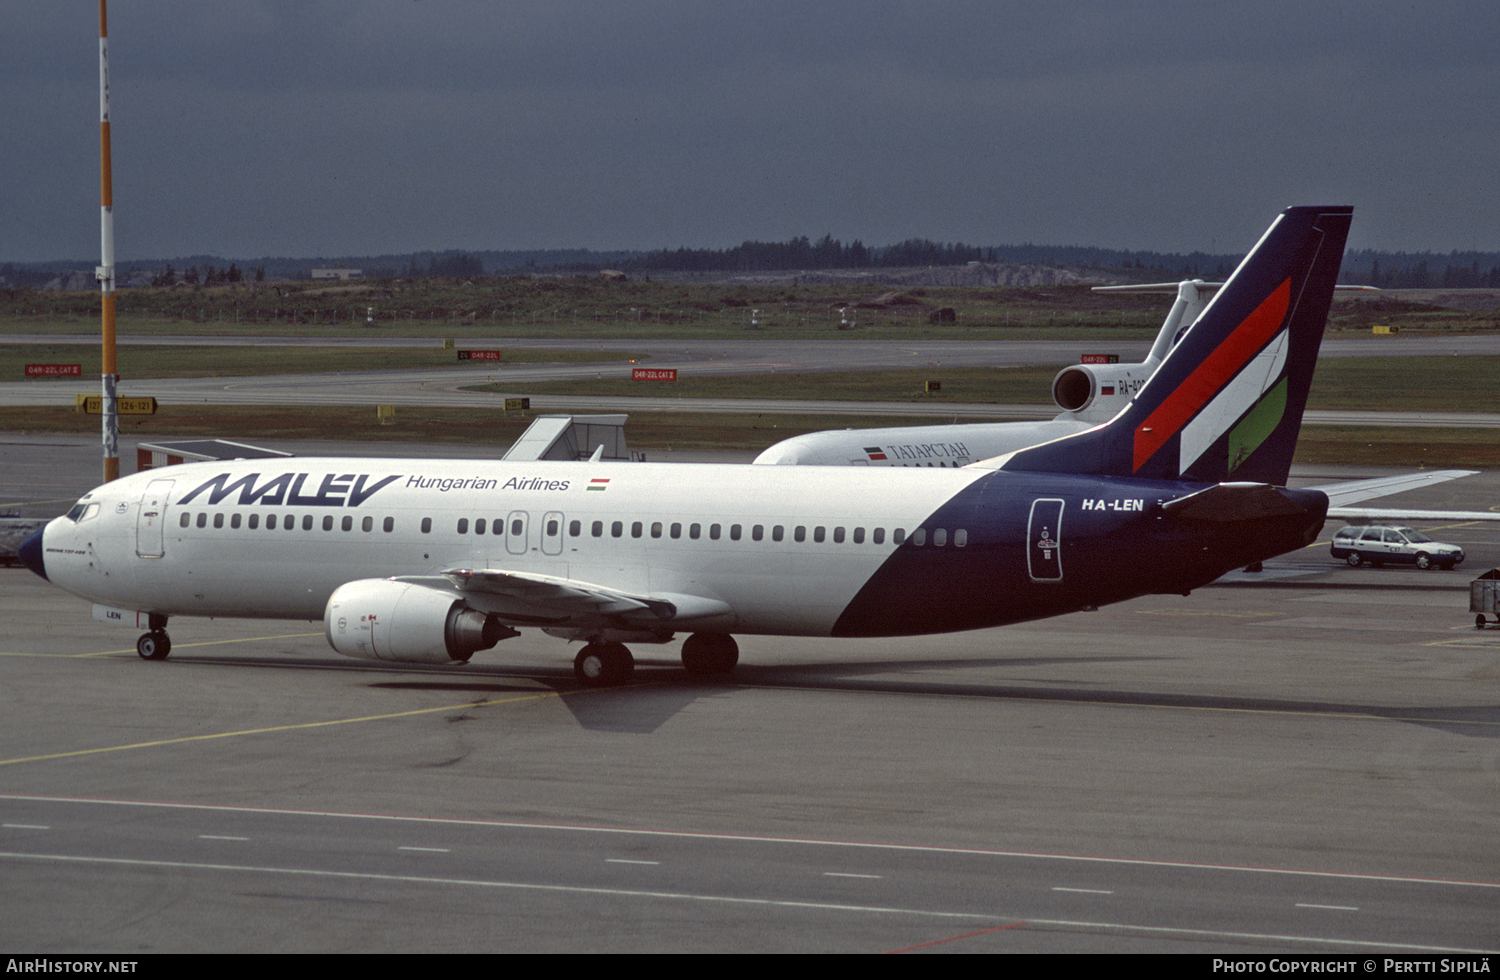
x=1100 y=359
x=479 y=355
x=653 y=374
x=54 y=370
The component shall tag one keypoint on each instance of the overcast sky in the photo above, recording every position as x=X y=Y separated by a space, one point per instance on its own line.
x=333 y=127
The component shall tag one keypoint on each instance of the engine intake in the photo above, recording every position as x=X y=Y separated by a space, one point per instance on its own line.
x=1096 y=393
x=382 y=619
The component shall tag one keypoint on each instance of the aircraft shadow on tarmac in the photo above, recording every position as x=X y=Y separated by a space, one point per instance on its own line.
x=662 y=689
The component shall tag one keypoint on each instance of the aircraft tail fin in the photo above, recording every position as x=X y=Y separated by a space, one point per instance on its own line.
x=1227 y=402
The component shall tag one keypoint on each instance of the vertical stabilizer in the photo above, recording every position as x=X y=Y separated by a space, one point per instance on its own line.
x=1227 y=402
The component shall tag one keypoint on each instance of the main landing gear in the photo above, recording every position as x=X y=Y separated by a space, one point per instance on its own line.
x=602 y=664
x=710 y=654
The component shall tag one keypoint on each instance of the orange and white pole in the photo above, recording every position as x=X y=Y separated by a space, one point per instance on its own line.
x=106 y=271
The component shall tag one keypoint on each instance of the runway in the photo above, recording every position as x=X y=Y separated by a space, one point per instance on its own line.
x=449 y=387
x=1299 y=761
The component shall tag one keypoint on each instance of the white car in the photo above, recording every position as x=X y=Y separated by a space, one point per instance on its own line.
x=1381 y=544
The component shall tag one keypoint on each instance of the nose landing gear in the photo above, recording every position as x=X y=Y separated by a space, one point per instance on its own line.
x=154 y=645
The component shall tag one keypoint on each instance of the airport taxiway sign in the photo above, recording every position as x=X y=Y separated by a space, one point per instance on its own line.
x=94 y=405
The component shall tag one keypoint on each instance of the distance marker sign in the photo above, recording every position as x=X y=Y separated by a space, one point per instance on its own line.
x=94 y=405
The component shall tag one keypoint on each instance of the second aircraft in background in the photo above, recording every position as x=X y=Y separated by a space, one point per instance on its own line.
x=1088 y=394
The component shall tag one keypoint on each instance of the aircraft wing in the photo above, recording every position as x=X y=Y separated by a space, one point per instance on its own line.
x=530 y=597
x=1342 y=497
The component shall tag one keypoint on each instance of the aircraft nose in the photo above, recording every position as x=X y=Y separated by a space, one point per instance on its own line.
x=30 y=552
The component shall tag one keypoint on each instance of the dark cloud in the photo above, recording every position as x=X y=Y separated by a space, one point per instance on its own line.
x=252 y=128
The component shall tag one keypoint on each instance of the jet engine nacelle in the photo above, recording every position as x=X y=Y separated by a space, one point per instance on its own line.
x=1097 y=392
x=383 y=619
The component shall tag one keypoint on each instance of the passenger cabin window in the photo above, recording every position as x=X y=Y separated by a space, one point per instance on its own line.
x=390 y=524
x=328 y=522
x=218 y=520
x=463 y=525
x=254 y=521
x=426 y=525
x=734 y=532
x=479 y=525
x=307 y=522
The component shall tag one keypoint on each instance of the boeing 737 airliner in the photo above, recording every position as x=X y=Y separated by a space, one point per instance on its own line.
x=433 y=561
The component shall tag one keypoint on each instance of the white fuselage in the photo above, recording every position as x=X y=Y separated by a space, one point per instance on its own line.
x=276 y=538
x=927 y=446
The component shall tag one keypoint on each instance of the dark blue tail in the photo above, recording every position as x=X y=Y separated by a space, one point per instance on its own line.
x=1227 y=402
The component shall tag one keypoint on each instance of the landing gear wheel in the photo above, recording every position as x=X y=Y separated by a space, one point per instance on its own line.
x=1355 y=559
x=1479 y=621
x=154 y=645
x=1424 y=560
x=603 y=665
x=709 y=654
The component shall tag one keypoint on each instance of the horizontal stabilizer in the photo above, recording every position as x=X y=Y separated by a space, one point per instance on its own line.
x=1355 y=491
x=1386 y=515
x=1234 y=502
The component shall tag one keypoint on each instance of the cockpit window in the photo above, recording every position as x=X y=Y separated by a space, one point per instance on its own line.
x=82 y=511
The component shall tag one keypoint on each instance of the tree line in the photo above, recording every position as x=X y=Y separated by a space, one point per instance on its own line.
x=1388 y=270
x=803 y=253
